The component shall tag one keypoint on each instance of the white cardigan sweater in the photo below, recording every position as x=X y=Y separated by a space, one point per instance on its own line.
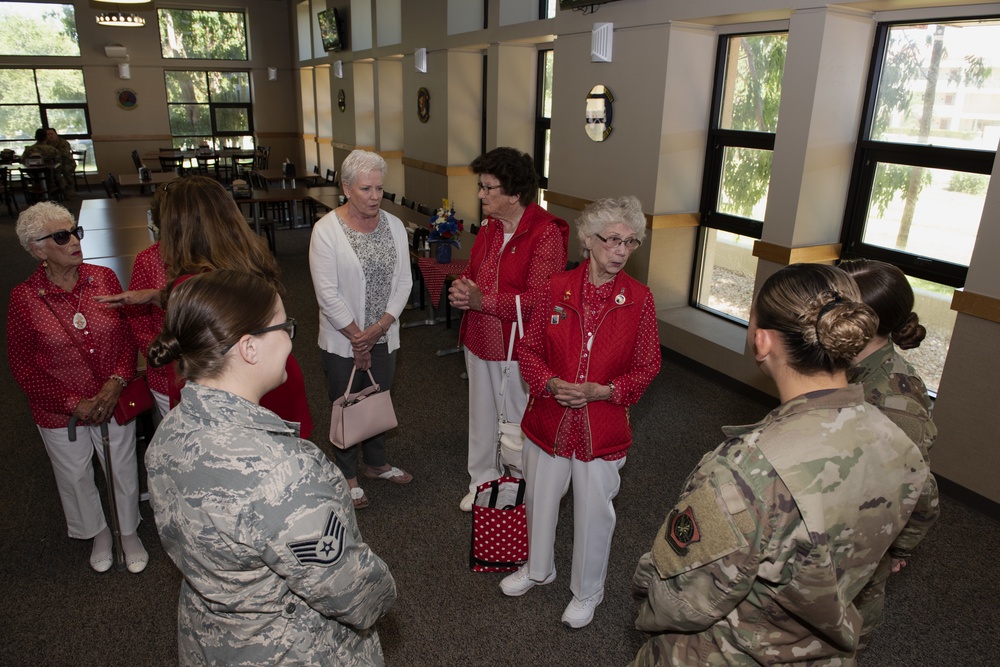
x=339 y=282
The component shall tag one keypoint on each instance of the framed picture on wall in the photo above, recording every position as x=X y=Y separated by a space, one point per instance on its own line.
x=127 y=99
x=341 y=100
x=423 y=105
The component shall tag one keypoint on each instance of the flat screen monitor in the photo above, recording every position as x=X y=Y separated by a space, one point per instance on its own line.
x=329 y=30
x=576 y=4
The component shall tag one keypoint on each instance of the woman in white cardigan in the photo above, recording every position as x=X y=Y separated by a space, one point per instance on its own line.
x=359 y=260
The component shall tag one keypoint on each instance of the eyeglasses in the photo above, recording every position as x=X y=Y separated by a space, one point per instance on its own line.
x=288 y=325
x=615 y=241
x=487 y=188
x=62 y=236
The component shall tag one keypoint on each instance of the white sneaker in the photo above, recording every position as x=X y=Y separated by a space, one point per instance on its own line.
x=519 y=583
x=466 y=504
x=579 y=613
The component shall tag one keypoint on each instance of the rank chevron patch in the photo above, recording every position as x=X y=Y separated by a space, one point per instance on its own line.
x=324 y=550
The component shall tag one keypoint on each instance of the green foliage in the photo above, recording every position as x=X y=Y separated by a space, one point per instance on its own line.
x=746 y=176
x=970 y=184
x=756 y=90
x=202 y=34
x=37 y=29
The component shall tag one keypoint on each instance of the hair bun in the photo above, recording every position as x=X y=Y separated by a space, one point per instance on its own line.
x=164 y=350
x=840 y=326
x=910 y=333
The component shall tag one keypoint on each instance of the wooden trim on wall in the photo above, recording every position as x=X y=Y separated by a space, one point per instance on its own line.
x=813 y=254
x=277 y=135
x=675 y=220
x=566 y=201
x=439 y=169
x=391 y=155
x=978 y=305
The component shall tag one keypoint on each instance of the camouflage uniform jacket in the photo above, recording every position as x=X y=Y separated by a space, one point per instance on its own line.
x=774 y=535
x=893 y=386
x=261 y=525
x=48 y=153
x=65 y=151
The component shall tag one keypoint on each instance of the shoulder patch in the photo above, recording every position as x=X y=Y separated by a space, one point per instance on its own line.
x=698 y=531
x=324 y=550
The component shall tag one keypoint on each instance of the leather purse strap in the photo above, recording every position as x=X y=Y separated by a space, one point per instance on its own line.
x=350 y=382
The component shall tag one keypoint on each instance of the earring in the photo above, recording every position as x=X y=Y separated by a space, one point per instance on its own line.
x=45 y=263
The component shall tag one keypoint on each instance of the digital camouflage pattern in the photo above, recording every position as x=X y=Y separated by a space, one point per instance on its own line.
x=776 y=532
x=892 y=385
x=262 y=527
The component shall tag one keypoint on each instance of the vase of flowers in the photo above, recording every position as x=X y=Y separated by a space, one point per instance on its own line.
x=445 y=229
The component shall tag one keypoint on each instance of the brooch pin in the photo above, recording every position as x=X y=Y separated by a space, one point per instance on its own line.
x=513 y=250
x=566 y=295
x=620 y=299
x=41 y=292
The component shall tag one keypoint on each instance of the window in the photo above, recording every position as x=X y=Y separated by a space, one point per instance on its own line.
x=210 y=108
x=547 y=9
x=543 y=118
x=745 y=103
x=38 y=29
x=34 y=98
x=202 y=34
x=923 y=163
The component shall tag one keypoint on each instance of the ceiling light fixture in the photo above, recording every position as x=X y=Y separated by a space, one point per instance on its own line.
x=120 y=20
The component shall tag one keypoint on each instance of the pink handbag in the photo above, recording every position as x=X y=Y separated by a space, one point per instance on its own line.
x=357 y=417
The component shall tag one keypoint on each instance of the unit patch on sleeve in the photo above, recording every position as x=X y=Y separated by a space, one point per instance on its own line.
x=324 y=550
x=682 y=530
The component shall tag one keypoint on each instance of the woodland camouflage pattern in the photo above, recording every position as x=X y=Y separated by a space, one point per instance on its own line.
x=892 y=385
x=261 y=525
x=775 y=534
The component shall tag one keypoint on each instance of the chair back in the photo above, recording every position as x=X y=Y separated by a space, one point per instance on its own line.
x=171 y=162
x=262 y=157
x=424 y=210
x=208 y=165
x=136 y=160
x=391 y=196
x=80 y=157
x=243 y=162
x=331 y=176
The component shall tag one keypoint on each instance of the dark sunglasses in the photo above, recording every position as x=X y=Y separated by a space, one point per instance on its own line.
x=62 y=236
x=288 y=325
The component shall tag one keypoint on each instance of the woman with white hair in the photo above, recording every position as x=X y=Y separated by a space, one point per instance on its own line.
x=587 y=355
x=359 y=260
x=72 y=357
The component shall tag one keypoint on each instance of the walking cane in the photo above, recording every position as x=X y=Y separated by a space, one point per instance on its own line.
x=116 y=532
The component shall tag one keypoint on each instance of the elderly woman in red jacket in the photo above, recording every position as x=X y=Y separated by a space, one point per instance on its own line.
x=519 y=246
x=588 y=354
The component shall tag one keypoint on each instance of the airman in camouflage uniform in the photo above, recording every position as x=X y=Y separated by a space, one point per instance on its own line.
x=262 y=527
x=892 y=385
x=66 y=159
x=50 y=157
x=760 y=560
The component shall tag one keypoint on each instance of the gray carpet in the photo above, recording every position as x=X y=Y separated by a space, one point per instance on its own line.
x=54 y=610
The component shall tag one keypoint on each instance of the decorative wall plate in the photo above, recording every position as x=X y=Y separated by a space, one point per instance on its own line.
x=599 y=113
x=341 y=100
x=127 y=99
x=423 y=105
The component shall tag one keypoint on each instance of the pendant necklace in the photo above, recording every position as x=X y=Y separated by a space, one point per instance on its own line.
x=79 y=320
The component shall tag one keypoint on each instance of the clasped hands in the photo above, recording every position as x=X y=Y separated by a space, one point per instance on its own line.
x=576 y=396
x=362 y=343
x=465 y=294
x=100 y=407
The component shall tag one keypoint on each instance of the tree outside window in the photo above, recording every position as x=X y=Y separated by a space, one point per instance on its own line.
x=38 y=29
x=210 y=108
x=202 y=34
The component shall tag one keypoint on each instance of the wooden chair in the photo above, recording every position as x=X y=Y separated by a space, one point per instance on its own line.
x=136 y=160
x=171 y=162
x=408 y=203
x=7 y=192
x=243 y=163
x=80 y=157
x=424 y=210
x=262 y=157
x=208 y=165
x=391 y=196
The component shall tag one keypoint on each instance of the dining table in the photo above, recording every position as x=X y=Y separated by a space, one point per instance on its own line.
x=115 y=231
x=131 y=179
x=277 y=175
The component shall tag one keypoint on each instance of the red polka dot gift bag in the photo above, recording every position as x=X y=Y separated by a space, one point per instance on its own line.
x=499 y=526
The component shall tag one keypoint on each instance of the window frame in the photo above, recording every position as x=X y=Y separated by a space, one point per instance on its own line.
x=543 y=124
x=870 y=153
x=217 y=134
x=44 y=107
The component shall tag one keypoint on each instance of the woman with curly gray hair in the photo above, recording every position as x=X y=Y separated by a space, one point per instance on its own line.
x=73 y=356
x=589 y=353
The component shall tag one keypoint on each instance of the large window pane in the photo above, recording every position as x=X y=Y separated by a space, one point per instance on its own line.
x=202 y=34
x=17 y=86
x=19 y=122
x=68 y=121
x=186 y=87
x=939 y=86
x=38 y=29
x=932 y=303
x=61 y=85
x=229 y=86
x=726 y=273
x=230 y=119
x=753 y=74
x=926 y=212
x=187 y=120
x=746 y=177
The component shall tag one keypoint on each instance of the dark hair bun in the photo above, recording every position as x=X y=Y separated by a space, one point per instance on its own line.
x=910 y=333
x=164 y=350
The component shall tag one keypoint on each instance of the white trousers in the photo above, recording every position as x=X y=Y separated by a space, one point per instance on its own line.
x=595 y=485
x=485 y=379
x=162 y=403
x=74 y=471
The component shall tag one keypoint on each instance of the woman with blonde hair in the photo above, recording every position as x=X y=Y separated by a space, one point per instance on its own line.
x=779 y=529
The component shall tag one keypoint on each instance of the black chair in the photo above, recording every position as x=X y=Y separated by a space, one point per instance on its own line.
x=136 y=160
x=391 y=196
x=80 y=157
x=116 y=190
x=243 y=163
x=424 y=210
x=316 y=169
x=208 y=165
x=262 y=157
x=109 y=188
x=408 y=203
x=331 y=176
x=40 y=184
x=7 y=192
x=171 y=162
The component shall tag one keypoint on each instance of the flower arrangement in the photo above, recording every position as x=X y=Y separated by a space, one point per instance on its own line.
x=445 y=226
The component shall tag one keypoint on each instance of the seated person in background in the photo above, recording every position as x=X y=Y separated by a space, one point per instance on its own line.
x=66 y=159
x=48 y=154
x=893 y=386
x=779 y=528
x=259 y=522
